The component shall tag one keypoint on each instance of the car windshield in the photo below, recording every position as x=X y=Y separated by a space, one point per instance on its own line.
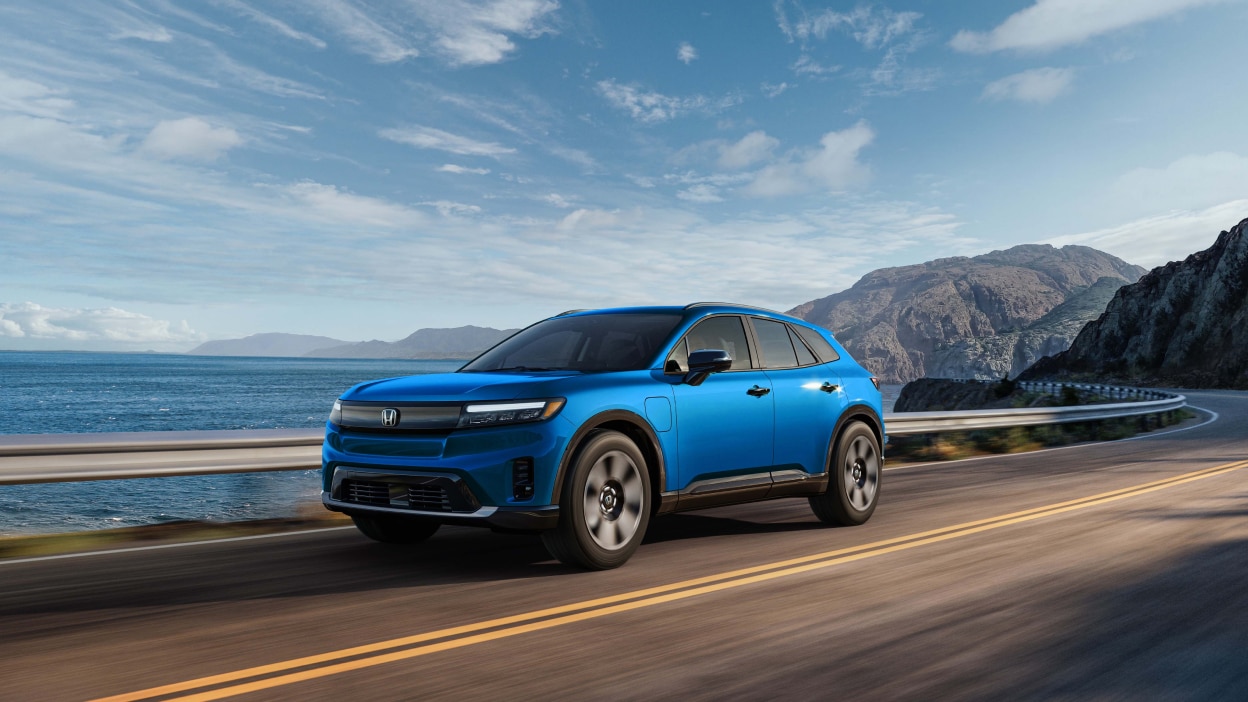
x=586 y=343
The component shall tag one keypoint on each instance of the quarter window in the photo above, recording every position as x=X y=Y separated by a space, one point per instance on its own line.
x=817 y=343
x=804 y=356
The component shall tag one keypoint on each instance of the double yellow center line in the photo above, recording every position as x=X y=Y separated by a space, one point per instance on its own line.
x=263 y=677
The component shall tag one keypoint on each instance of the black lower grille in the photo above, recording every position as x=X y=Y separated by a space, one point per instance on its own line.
x=368 y=493
x=430 y=498
x=426 y=497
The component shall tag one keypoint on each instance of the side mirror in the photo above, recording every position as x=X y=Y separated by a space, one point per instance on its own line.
x=704 y=362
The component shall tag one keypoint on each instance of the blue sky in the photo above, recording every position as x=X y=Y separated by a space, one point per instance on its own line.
x=175 y=171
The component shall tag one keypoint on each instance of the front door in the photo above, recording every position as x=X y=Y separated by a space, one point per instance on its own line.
x=725 y=425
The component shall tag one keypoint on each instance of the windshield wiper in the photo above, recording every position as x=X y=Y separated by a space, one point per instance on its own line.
x=517 y=368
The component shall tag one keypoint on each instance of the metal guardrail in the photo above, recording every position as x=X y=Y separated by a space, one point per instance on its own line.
x=56 y=458
x=62 y=458
x=1151 y=402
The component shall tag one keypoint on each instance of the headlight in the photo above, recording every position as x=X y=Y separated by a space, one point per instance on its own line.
x=335 y=415
x=492 y=413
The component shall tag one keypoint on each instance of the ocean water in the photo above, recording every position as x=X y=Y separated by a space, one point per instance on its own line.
x=53 y=393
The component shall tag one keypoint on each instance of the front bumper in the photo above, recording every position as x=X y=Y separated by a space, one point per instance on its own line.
x=423 y=495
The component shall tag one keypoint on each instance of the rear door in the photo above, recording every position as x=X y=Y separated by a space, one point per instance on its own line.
x=808 y=400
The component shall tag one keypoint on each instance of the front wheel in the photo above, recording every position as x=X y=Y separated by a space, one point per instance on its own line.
x=853 y=479
x=605 y=506
x=395 y=530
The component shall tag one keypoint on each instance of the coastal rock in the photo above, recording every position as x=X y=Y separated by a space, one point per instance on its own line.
x=1183 y=324
x=980 y=317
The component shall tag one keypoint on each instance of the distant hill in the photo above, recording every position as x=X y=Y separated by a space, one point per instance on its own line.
x=272 y=344
x=1184 y=324
x=979 y=317
x=458 y=343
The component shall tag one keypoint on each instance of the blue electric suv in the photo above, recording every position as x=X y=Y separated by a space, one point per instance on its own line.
x=585 y=425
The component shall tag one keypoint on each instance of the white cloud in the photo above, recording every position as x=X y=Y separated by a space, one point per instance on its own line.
x=1049 y=24
x=1159 y=239
x=557 y=200
x=475 y=33
x=190 y=138
x=1038 y=85
x=1192 y=182
x=31 y=321
x=449 y=208
x=752 y=148
x=700 y=193
x=152 y=33
x=833 y=165
x=869 y=25
x=365 y=34
x=835 y=245
x=271 y=22
x=653 y=107
x=430 y=138
x=805 y=65
x=575 y=156
x=453 y=168
x=893 y=77
x=26 y=97
x=773 y=90
x=327 y=202
x=686 y=53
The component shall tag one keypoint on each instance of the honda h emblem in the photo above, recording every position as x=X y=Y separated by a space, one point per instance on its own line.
x=389 y=417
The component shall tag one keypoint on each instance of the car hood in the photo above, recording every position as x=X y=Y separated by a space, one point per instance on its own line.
x=452 y=387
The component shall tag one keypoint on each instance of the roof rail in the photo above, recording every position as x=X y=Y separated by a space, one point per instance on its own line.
x=568 y=312
x=728 y=304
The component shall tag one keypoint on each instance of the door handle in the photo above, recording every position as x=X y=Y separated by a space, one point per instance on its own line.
x=756 y=391
x=829 y=387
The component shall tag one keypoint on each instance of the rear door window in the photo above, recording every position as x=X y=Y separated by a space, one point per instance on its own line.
x=774 y=343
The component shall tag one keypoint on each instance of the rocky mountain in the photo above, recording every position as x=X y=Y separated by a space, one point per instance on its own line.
x=273 y=344
x=978 y=317
x=1183 y=324
x=459 y=342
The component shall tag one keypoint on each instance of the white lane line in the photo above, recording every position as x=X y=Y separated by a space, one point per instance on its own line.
x=11 y=561
x=1213 y=417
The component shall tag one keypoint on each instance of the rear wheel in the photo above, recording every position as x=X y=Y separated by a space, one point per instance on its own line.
x=395 y=530
x=853 y=478
x=605 y=506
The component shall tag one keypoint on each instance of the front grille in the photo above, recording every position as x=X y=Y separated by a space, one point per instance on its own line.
x=368 y=493
x=436 y=495
x=431 y=498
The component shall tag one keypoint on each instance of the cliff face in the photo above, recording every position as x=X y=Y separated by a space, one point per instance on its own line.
x=977 y=317
x=1185 y=324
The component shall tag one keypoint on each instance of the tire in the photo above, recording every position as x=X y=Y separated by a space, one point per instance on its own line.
x=605 y=506
x=853 y=478
x=395 y=530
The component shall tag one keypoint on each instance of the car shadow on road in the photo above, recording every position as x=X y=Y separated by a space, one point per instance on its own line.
x=677 y=527
x=328 y=564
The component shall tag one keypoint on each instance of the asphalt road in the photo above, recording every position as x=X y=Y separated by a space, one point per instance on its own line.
x=1107 y=571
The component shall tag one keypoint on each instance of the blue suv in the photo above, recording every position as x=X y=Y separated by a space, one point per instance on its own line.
x=584 y=426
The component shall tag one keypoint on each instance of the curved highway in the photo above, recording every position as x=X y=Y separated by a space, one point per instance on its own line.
x=1103 y=571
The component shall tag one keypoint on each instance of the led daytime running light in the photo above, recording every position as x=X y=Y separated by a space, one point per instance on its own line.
x=493 y=414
